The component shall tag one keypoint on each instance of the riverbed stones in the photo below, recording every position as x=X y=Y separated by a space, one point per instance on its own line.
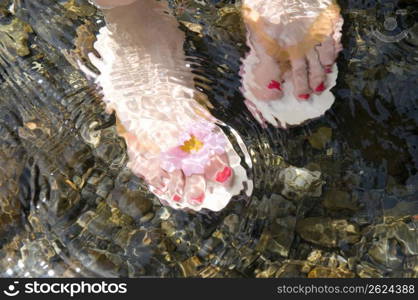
x=320 y=137
x=337 y=200
x=327 y=232
x=300 y=182
x=326 y=272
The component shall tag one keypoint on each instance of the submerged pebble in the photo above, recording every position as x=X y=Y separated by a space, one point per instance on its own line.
x=327 y=232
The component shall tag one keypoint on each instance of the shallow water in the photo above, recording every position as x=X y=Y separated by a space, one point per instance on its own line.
x=69 y=206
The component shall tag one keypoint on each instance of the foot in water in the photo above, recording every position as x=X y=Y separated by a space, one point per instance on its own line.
x=172 y=141
x=293 y=48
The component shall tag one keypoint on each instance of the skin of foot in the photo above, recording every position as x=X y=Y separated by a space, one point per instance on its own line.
x=295 y=40
x=172 y=142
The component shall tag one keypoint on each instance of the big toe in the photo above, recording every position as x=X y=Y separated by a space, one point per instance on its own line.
x=262 y=73
x=218 y=169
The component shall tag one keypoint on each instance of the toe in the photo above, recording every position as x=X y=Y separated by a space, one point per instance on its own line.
x=262 y=74
x=316 y=72
x=327 y=54
x=175 y=186
x=267 y=91
x=194 y=190
x=218 y=169
x=301 y=87
x=157 y=181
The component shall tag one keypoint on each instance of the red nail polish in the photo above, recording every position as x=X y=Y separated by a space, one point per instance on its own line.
x=223 y=176
x=199 y=199
x=320 y=88
x=275 y=85
x=304 y=96
x=176 y=198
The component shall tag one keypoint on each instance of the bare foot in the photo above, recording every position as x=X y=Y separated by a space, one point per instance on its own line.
x=173 y=142
x=290 y=41
x=298 y=36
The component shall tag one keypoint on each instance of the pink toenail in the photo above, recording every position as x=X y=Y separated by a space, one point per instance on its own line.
x=176 y=198
x=320 y=88
x=199 y=199
x=224 y=175
x=304 y=96
x=274 y=85
x=328 y=70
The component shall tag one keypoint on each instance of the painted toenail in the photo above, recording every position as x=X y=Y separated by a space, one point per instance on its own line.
x=224 y=175
x=275 y=85
x=199 y=199
x=320 y=88
x=328 y=69
x=304 y=96
x=176 y=198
